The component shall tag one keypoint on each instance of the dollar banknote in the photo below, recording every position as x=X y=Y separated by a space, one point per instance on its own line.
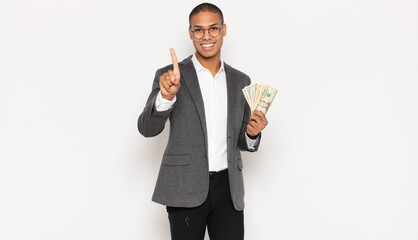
x=259 y=96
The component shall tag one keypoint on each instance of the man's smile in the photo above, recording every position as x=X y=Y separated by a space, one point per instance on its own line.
x=207 y=46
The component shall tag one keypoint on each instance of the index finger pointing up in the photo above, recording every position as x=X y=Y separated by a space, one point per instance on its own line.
x=176 y=69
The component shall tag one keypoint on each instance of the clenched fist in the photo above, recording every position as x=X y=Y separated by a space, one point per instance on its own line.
x=170 y=81
x=258 y=122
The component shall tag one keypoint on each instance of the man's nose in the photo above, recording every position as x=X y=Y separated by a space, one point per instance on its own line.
x=206 y=34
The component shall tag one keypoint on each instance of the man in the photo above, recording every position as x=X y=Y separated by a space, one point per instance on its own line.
x=200 y=179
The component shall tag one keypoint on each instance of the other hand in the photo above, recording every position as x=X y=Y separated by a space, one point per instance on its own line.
x=258 y=122
x=170 y=80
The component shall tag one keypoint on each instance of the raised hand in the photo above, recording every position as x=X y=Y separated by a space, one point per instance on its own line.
x=170 y=80
x=258 y=122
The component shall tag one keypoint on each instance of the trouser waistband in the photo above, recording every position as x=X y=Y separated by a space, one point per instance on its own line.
x=214 y=173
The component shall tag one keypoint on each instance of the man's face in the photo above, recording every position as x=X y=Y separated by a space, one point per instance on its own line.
x=207 y=46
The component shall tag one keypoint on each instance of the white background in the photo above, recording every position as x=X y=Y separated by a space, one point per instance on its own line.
x=338 y=160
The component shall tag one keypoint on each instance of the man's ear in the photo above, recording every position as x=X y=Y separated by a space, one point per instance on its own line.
x=224 y=29
x=190 y=33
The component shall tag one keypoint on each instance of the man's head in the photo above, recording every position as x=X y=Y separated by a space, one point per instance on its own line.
x=205 y=7
x=207 y=30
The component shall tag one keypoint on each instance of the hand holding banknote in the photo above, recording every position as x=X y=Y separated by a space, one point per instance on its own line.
x=258 y=122
x=259 y=98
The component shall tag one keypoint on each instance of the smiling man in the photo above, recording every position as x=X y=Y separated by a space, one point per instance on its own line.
x=200 y=179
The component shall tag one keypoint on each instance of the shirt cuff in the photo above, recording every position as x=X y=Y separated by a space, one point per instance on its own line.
x=251 y=142
x=162 y=104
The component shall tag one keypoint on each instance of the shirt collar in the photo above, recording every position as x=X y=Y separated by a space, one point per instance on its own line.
x=199 y=66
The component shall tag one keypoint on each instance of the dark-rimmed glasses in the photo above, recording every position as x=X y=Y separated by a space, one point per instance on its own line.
x=199 y=33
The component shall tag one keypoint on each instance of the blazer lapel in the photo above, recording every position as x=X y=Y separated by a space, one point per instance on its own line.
x=189 y=78
x=231 y=95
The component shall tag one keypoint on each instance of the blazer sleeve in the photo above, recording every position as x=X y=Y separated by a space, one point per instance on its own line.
x=151 y=122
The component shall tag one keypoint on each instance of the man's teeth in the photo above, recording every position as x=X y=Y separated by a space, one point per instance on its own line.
x=207 y=45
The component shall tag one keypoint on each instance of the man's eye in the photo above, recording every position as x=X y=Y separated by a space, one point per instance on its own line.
x=214 y=29
x=198 y=30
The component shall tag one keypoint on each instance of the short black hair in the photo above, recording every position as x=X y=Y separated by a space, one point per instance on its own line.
x=205 y=7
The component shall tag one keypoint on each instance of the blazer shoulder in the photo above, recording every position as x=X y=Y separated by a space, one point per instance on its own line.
x=237 y=73
x=186 y=61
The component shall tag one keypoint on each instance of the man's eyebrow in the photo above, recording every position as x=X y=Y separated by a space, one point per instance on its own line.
x=199 y=26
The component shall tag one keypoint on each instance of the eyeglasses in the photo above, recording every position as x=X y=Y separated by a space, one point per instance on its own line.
x=199 y=33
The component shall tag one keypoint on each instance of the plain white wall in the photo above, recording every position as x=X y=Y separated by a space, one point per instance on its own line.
x=339 y=159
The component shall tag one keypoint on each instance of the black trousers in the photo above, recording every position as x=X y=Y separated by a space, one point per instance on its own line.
x=217 y=213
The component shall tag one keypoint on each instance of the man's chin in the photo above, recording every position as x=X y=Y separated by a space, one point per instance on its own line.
x=207 y=54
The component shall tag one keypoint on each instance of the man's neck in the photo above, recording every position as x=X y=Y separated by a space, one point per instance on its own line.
x=213 y=64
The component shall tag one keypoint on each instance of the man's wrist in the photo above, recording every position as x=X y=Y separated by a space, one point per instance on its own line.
x=162 y=104
x=168 y=98
x=253 y=137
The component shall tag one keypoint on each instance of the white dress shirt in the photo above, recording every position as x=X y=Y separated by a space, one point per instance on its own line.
x=214 y=94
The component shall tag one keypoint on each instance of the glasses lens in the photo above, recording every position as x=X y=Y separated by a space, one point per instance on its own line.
x=214 y=32
x=198 y=33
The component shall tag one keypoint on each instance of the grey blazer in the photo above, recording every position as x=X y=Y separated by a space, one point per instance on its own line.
x=183 y=180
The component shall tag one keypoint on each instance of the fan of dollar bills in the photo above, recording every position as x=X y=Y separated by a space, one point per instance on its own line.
x=259 y=96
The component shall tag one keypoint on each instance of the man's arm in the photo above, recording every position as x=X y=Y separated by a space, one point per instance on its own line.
x=242 y=141
x=166 y=84
x=252 y=126
x=151 y=122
